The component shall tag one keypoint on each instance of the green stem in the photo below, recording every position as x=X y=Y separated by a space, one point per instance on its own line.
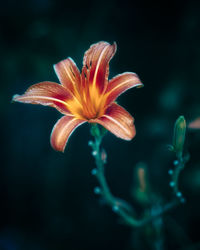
x=179 y=166
x=100 y=173
x=176 y=175
x=118 y=205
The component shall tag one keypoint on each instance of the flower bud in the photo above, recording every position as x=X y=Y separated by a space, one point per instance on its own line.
x=179 y=136
x=103 y=156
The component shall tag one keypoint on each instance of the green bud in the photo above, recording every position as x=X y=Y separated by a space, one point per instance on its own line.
x=179 y=136
x=141 y=190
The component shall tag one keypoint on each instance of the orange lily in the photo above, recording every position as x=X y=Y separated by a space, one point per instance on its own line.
x=86 y=97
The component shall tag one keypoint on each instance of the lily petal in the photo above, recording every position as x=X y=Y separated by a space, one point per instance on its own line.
x=48 y=94
x=62 y=131
x=68 y=74
x=195 y=124
x=95 y=64
x=120 y=84
x=118 y=121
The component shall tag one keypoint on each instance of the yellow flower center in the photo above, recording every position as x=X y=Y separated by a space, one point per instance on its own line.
x=87 y=105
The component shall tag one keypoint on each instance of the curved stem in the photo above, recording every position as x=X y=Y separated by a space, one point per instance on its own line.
x=175 y=176
x=179 y=166
x=119 y=206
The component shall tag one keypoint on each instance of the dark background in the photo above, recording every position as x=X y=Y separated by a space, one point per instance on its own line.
x=47 y=200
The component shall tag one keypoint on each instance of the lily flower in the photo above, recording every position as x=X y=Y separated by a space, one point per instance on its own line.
x=85 y=97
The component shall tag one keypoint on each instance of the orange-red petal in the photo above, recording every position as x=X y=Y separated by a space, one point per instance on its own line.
x=68 y=74
x=95 y=64
x=62 y=131
x=120 y=84
x=48 y=94
x=118 y=121
x=195 y=124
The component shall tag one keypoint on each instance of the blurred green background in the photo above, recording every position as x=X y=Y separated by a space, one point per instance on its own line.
x=47 y=200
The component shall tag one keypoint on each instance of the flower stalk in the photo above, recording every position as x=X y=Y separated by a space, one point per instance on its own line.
x=116 y=204
x=119 y=206
x=179 y=163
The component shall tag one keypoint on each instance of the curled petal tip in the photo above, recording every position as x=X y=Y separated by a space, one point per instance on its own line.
x=62 y=130
x=17 y=98
x=68 y=74
x=47 y=94
x=14 y=98
x=140 y=85
x=121 y=83
x=115 y=46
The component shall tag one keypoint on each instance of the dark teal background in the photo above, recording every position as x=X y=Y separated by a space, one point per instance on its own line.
x=46 y=197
